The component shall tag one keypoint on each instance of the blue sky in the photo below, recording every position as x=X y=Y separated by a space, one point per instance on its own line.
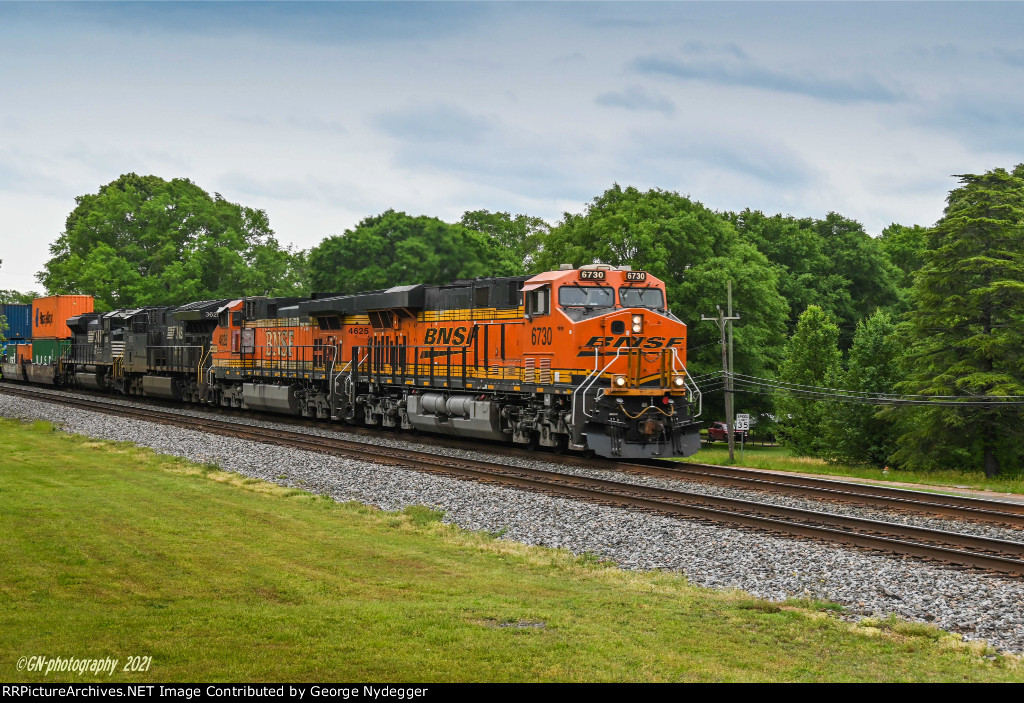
x=323 y=114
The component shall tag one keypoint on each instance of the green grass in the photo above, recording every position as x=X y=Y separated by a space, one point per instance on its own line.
x=779 y=459
x=111 y=550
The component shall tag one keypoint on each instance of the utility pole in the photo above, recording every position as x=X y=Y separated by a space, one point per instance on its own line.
x=729 y=319
x=724 y=319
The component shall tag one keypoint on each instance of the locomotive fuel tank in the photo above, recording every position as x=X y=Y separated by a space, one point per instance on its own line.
x=460 y=415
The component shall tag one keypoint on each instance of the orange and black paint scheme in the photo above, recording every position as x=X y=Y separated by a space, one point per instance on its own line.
x=586 y=359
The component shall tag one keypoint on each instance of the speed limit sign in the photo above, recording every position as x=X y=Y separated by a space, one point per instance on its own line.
x=742 y=421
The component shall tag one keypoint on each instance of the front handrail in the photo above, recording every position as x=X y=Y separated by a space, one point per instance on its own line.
x=687 y=379
x=590 y=380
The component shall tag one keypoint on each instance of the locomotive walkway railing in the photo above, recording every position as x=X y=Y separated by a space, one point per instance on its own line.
x=174 y=359
x=452 y=366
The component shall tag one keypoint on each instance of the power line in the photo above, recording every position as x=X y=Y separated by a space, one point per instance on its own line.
x=765 y=386
x=787 y=384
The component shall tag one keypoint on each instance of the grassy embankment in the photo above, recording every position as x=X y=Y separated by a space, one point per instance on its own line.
x=778 y=458
x=111 y=550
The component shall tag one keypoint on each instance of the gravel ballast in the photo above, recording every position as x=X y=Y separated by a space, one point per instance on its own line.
x=979 y=606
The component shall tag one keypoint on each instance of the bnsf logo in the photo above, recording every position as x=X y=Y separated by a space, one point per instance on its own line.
x=280 y=343
x=455 y=336
x=43 y=318
x=635 y=342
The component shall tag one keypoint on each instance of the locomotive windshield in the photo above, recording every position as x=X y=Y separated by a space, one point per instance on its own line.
x=586 y=296
x=642 y=298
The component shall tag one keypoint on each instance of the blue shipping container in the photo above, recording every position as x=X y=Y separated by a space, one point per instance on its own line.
x=19 y=320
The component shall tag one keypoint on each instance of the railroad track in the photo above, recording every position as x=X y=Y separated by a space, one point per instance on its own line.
x=994 y=512
x=953 y=548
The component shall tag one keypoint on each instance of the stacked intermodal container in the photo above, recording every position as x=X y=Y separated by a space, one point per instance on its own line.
x=50 y=315
x=19 y=321
x=51 y=336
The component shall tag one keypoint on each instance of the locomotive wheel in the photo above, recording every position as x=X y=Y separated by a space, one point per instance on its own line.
x=534 y=442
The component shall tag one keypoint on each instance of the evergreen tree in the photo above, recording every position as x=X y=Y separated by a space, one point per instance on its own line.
x=812 y=359
x=854 y=432
x=966 y=330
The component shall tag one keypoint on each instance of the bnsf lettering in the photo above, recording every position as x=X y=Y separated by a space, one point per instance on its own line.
x=280 y=343
x=634 y=342
x=450 y=336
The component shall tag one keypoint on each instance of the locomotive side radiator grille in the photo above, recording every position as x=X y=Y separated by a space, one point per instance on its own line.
x=529 y=371
x=544 y=372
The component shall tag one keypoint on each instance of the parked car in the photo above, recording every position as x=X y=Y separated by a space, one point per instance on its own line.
x=719 y=432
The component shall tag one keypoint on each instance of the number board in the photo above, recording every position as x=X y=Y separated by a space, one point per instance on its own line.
x=636 y=275
x=592 y=275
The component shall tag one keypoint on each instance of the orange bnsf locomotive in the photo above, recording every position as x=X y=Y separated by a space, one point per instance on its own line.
x=586 y=359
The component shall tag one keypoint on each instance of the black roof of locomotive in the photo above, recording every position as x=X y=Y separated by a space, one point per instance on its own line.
x=501 y=292
x=199 y=310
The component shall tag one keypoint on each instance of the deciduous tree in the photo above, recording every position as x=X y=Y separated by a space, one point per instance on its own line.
x=514 y=240
x=394 y=248
x=854 y=432
x=832 y=263
x=812 y=359
x=142 y=240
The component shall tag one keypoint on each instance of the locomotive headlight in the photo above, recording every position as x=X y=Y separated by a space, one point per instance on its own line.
x=637 y=319
x=620 y=381
x=637 y=328
x=638 y=323
x=678 y=381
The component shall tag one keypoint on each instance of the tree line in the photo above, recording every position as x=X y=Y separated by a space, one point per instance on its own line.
x=930 y=311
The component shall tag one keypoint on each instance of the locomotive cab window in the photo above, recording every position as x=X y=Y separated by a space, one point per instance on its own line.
x=586 y=296
x=642 y=298
x=537 y=300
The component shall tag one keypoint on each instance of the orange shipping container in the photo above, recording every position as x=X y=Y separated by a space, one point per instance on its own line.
x=50 y=315
x=24 y=353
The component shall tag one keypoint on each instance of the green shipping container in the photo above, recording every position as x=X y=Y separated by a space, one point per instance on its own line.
x=47 y=351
